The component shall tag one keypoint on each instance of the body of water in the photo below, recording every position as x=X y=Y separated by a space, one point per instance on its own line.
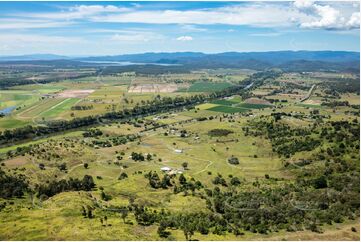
x=7 y=110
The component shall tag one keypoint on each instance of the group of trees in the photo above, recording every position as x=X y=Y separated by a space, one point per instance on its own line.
x=323 y=194
x=285 y=140
x=219 y=132
x=12 y=185
x=73 y=184
x=185 y=185
x=92 y=133
x=155 y=181
x=82 y=107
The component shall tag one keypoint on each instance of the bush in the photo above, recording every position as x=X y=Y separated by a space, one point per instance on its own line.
x=122 y=176
x=219 y=132
x=233 y=160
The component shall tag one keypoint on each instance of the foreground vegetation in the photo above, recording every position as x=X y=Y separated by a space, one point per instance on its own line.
x=253 y=159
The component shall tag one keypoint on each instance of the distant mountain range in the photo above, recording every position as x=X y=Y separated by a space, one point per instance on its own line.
x=33 y=57
x=289 y=60
x=275 y=57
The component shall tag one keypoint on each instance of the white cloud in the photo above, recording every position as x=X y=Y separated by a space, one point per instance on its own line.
x=252 y=14
x=192 y=28
x=354 y=21
x=185 y=38
x=272 y=34
x=303 y=4
x=133 y=36
x=303 y=13
x=325 y=16
x=12 y=24
x=80 y=12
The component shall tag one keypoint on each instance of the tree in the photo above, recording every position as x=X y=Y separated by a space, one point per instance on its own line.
x=185 y=165
x=233 y=160
x=42 y=166
x=182 y=179
x=188 y=227
x=122 y=176
x=320 y=182
x=166 y=182
x=83 y=211
x=62 y=167
x=88 y=183
x=90 y=212
x=235 y=181
x=162 y=230
x=105 y=196
x=149 y=157
x=86 y=165
x=124 y=214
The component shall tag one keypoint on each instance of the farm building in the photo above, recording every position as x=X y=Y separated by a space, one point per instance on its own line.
x=166 y=169
x=178 y=151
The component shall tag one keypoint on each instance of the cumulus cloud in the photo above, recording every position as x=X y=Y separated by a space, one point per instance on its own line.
x=185 y=38
x=354 y=21
x=303 y=4
x=303 y=13
x=325 y=16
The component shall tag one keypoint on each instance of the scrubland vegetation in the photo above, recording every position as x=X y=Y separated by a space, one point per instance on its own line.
x=228 y=155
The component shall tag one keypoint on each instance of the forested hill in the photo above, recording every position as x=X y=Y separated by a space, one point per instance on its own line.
x=343 y=61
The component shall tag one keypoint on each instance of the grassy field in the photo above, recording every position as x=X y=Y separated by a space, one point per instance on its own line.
x=252 y=106
x=228 y=109
x=184 y=136
x=207 y=87
x=202 y=161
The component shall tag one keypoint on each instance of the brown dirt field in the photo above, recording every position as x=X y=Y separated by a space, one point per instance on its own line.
x=312 y=102
x=292 y=95
x=257 y=101
x=18 y=161
x=75 y=93
x=153 y=88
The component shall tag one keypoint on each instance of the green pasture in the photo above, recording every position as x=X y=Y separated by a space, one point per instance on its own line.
x=58 y=109
x=228 y=109
x=253 y=106
x=207 y=87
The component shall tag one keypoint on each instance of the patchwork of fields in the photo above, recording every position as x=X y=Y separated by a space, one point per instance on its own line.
x=231 y=105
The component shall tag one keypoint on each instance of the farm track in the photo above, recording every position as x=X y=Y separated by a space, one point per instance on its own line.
x=309 y=93
x=51 y=108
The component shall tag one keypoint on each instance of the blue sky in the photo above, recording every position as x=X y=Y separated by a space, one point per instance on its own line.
x=110 y=28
